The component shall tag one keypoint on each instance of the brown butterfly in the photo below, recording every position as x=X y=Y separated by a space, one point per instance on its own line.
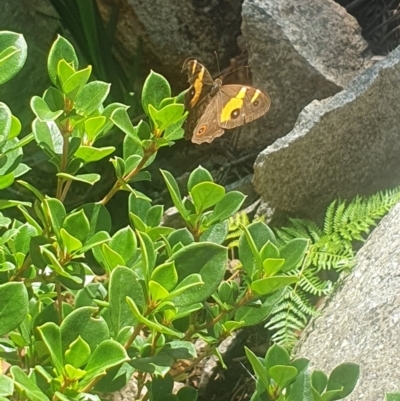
x=214 y=107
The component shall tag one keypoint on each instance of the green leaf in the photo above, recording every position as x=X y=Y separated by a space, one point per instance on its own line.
x=121 y=119
x=6 y=180
x=208 y=260
x=84 y=322
x=74 y=83
x=55 y=210
x=251 y=241
x=78 y=353
x=27 y=385
x=187 y=394
x=89 y=154
x=206 y=194
x=54 y=98
x=283 y=375
x=254 y=314
x=344 y=378
x=169 y=115
x=6 y=383
x=51 y=336
x=107 y=355
x=13 y=52
x=42 y=110
x=91 y=97
x=268 y=285
x=85 y=178
x=15 y=128
x=173 y=190
x=271 y=266
x=124 y=283
x=157 y=291
x=78 y=224
x=300 y=390
x=5 y=122
x=13 y=305
x=293 y=252
x=70 y=243
x=319 y=380
x=48 y=136
x=61 y=50
x=94 y=126
x=216 y=233
x=258 y=368
x=155 y=89
x=124 y=243
x=276 y=355
x=227 y=207
x=166 y=275
x=198 y=176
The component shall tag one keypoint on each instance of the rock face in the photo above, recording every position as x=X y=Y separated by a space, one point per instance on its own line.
x=361 y=321
x=163 y=33
x=340 y=147
x=298 y=51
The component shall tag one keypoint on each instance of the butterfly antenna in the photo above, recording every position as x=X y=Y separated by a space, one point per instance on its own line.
x=216 y=56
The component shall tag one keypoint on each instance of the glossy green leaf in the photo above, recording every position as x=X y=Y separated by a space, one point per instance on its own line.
x=124 y=283
x=54 y=98
x=268 y=285
x=91 y=97
x=84 y=322
x=258 y=367
x=93 y=126
x=319 y=380
x=174 y=191
x=227 y=207
x=13 y=52
x=48 y=136
x=70 y=243
x=155 y=89
x=276 y=355
x=89 y=154
x=6 y=385
x=78 y=224
x=283 y=375
x=254 y=314
x=121 y=119
x=169 y=115
x=74 y=83
x=293 y=252
x=271 y=266
x=42 y=110
x=90 y=179
x=206 y=259
x=157 y=291
x=166 y=275
x=197 y=176
x=51 y=336
x=5 y=122
x=61 y=50
x=251 y=242
x=216 y=233
x=344 y=378
x=206 y=194
x=125 y=244
x=78 y=353
x=13 y=305
x=15 y=128
x=27 y=385
x=108 y=354
x=6 y=180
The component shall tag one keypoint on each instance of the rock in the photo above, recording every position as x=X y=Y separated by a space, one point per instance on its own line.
x=360 y=322
x=163 y=33
x=340 y=147
x=298 y=52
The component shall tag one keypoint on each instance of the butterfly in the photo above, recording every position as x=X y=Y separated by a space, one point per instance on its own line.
x=214 y=107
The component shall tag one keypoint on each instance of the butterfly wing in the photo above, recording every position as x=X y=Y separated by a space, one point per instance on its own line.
x=197 y=96
x=240 y=104
x=207 y=128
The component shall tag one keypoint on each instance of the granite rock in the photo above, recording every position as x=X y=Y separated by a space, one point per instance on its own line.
x=361 y=321
x=343 y=146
